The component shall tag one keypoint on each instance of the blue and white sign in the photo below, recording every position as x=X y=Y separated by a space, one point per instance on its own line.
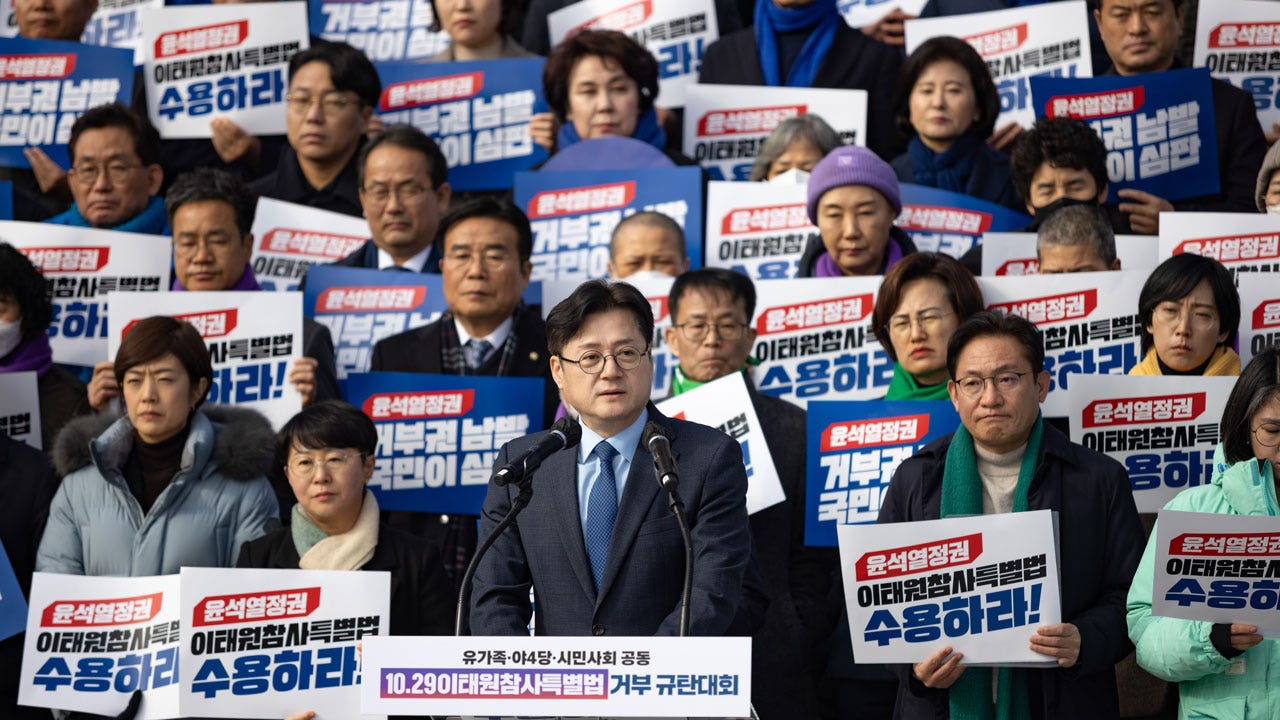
x=865 y=12
x=383 y=30
x=118 y=23
x=13 y=607
x=1238 y=41
x=951 y=222
x=6 y=200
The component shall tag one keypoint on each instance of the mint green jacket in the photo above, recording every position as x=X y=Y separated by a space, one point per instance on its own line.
x=1209 y=685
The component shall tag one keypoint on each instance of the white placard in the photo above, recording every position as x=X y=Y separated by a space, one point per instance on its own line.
x=1244 y=242
x=82 y=265
x=1001 y=572
x=91 y=641
x=561 y=676
x=20 y=407
x=118 y=23
x=254 y=338
x=1236 y=39
x=1042 y=39
x=277 y=642
x=758 y=229
x=725 y=404
x=207 y=61
x=1163 y=429
x=677 y=32
x=8 y=20
x=1015 y=253
x=289 y=238
x=725 y=125
x=865 y=12
x=1259 y=314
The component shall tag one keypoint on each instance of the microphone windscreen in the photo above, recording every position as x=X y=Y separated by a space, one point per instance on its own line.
x=653 y=429
x=571 y=430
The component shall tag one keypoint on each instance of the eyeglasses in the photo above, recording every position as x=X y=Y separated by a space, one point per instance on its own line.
x=929 y=321
x=116 y=172
x=592 y=361
x=1170 y=315
x=303 y=466
x=697 y=331
x=331 y=103
x=1006 y=383
x=1267 y=434
x=186 y=247
x=405 y=194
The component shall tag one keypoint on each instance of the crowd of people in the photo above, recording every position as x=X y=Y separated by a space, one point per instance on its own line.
x=140 y=476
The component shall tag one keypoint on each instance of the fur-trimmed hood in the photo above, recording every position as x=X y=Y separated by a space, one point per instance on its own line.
x=243 y=441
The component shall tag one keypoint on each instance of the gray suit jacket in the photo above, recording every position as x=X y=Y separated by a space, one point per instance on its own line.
x=640 y=590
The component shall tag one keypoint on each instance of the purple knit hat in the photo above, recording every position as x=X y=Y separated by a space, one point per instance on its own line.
x=852 y=165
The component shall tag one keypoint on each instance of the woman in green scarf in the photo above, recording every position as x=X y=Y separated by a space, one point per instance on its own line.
x=922 y=300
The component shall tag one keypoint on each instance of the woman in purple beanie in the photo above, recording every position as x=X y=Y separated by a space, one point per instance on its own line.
x=853 y=200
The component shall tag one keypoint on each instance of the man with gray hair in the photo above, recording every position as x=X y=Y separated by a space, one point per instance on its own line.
x=647 y=244
x=1077 y=238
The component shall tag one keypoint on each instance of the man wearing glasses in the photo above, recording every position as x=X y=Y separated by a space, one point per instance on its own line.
x=1005 y=458
x=598 y=539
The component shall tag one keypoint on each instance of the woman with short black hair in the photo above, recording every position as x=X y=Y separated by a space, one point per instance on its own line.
x=1189 y=310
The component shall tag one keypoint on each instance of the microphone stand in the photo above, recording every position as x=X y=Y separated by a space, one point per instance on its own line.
x=464 y=590
x=677 y=507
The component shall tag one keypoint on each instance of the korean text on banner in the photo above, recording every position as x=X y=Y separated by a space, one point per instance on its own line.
x=438 y=435
x=814 y=340
x=1244 y=242
x=1089 y=322
x=725 y=404
x=1259 y=315
x=20 y=407
x=1217 y=568
x=253 y=337
x=565 y=676
x=81 y=266
x=92 y=641
x=289 y=238
x=573 y=214
x=220 y=61
x=1048 y=39
x=1163 y=429
x=951 y=222
x=383 y=30
x=999 y=572
x=677 y=33
x=1239 y=42
x=271 y=642
x=1014 y=253
x=118 y=23
x=478 y=112
x=865 y=12
x=361 y=306
x=46 y=84
x=757 y=229
x=725 y=125
x=853 y=449
x=1159 y=128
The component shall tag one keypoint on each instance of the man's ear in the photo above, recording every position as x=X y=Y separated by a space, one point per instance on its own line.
x=155 y=177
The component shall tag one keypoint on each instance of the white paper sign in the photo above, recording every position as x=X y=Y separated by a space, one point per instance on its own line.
x=1237 y=40
x=20 y=407
x=207 y=61
x=118 y=23
x=82 y=265
x=725 y=404
x=1001 y=572
x=1163 y=429
x=272 y=643
x=289 y=238
x=1217 y=568
x=677 y=32
x=1043 y=39
x=91 y=641
x=1015 y=253
x=8 y=21
x=254 y=338
x=1244 y=242
x=1259 y=314
x=725 y=125
x=865 y=12
x=561 y=676
x=757 y=229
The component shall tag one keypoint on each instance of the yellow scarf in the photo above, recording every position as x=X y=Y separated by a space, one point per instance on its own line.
x=1224 y=361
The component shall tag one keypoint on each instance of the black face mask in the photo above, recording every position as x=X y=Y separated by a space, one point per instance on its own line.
x=1042 y=213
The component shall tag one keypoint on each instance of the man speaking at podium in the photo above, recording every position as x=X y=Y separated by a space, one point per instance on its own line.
x=598 y=542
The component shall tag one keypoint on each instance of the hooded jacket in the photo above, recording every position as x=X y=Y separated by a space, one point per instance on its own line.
x=1180 y=650
x=217 y=501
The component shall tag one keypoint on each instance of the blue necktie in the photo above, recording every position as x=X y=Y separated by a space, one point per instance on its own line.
x=602 y=510
x=474 y=350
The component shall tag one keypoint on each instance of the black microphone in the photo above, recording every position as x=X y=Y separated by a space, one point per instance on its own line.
x=565 y=433
x=655 y=439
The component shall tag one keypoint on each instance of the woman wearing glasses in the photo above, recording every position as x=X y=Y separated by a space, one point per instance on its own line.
x=1189 y=308
x=1222 y=670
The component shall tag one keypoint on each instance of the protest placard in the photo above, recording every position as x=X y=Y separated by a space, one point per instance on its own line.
x=383 y=30
x=277 y=642
x=1014 y=253
x=1163 y=429
x=1244 y=242
x=81 y=266
x=677 y=32
x=865 y=12
x=117 y=23
x=478 y=112
x=1159 y=128
x=289 y=238
x=20 y=407
x=438 y=435
x=1259 y=315
x=1237 y=41
x=221 y=61
x=951 y=222
x=92 y=641
x=1017 y=45
x=8 y=21
x=725 y=404
x=13 y=606
x=46 y=84
x=725 y=125
x=253 y=337
x=853 y=449
x=6 y=200
x=757 y=229
x=573 y=214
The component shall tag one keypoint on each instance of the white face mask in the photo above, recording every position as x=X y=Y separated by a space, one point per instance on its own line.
x=1273 y=209
x=10 y=336
x=644 y=275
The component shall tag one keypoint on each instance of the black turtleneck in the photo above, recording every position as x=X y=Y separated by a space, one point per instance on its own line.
x=1196 y=371
x=151 y=467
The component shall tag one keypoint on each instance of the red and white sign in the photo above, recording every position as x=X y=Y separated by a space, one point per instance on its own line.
x=914 y=559
x=201 y=39
x=1144 y=410
x=270 y=605
x=574 y=201
x=34 y=67
x=1052 y=308
x=882 y=431
x=388 y=298
x=836 y=311
x=409 y=406
x=399 y=96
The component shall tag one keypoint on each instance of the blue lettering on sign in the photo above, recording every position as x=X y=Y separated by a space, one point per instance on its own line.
x=282 y=672
x=1175 y=469
x=79 y=319
x=109 y=674
x=957 y=616
x=681 y=58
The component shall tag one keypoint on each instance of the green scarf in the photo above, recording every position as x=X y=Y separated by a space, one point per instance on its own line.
x=970 y=696
x=903 y=386
x=681 y=383
x=305 y=533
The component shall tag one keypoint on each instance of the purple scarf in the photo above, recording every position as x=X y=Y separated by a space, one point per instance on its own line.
x=825 y=265
x=247 y=281
x=34 y=354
